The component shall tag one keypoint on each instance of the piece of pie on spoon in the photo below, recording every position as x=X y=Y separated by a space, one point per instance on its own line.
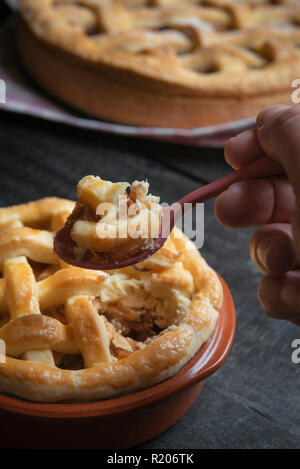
x=110 y=222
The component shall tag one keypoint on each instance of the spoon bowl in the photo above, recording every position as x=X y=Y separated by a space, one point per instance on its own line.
x=64 y=244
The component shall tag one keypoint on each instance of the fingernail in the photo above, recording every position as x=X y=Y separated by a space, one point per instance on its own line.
x=260 y=119
x=268 y=112
x=263 y=252
x=290 y=296
x=234 y=189
x=233 y=192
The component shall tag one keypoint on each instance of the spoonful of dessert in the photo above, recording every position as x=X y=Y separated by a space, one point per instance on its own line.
x=115 y=225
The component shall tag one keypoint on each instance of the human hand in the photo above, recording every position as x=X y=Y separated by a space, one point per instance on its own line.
x=274 y=203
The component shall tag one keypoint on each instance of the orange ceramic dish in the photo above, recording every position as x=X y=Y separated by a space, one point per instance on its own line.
x=121 y=422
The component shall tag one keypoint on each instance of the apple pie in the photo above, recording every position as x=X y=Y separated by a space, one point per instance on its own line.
x=169 y=63
x=107 y=219
x=74 y=334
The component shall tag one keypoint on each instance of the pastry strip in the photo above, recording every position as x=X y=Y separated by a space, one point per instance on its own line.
x=89 y=331
x=22 y=299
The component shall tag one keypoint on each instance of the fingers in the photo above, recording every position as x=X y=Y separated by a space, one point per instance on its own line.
x=272 y=249
x=256 y=202
x=253 y=143
x=242 y=149
x=269 y=112
x=280 y=296
x=279 y=135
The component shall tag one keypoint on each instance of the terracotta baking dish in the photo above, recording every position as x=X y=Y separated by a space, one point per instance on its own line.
x=121 y=422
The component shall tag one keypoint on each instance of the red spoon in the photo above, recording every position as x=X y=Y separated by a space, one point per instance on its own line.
x=260 y=168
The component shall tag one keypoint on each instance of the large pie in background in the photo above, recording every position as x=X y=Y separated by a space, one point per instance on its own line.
x=168 y=63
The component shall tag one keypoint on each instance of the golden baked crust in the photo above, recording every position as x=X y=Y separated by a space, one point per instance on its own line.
x=163 y=62
x=110 y=218
x=77 y=334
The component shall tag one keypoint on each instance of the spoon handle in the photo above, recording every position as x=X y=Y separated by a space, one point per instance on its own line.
x=261 y=168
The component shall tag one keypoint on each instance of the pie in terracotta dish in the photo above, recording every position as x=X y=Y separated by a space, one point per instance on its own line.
x=107 y=219
x=169 y=63
x=73 y=334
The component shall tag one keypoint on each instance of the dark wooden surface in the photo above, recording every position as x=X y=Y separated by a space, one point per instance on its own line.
x=253 y=400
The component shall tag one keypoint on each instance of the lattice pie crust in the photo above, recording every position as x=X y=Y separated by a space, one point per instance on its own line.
x=77 y=334
x=174 y=63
